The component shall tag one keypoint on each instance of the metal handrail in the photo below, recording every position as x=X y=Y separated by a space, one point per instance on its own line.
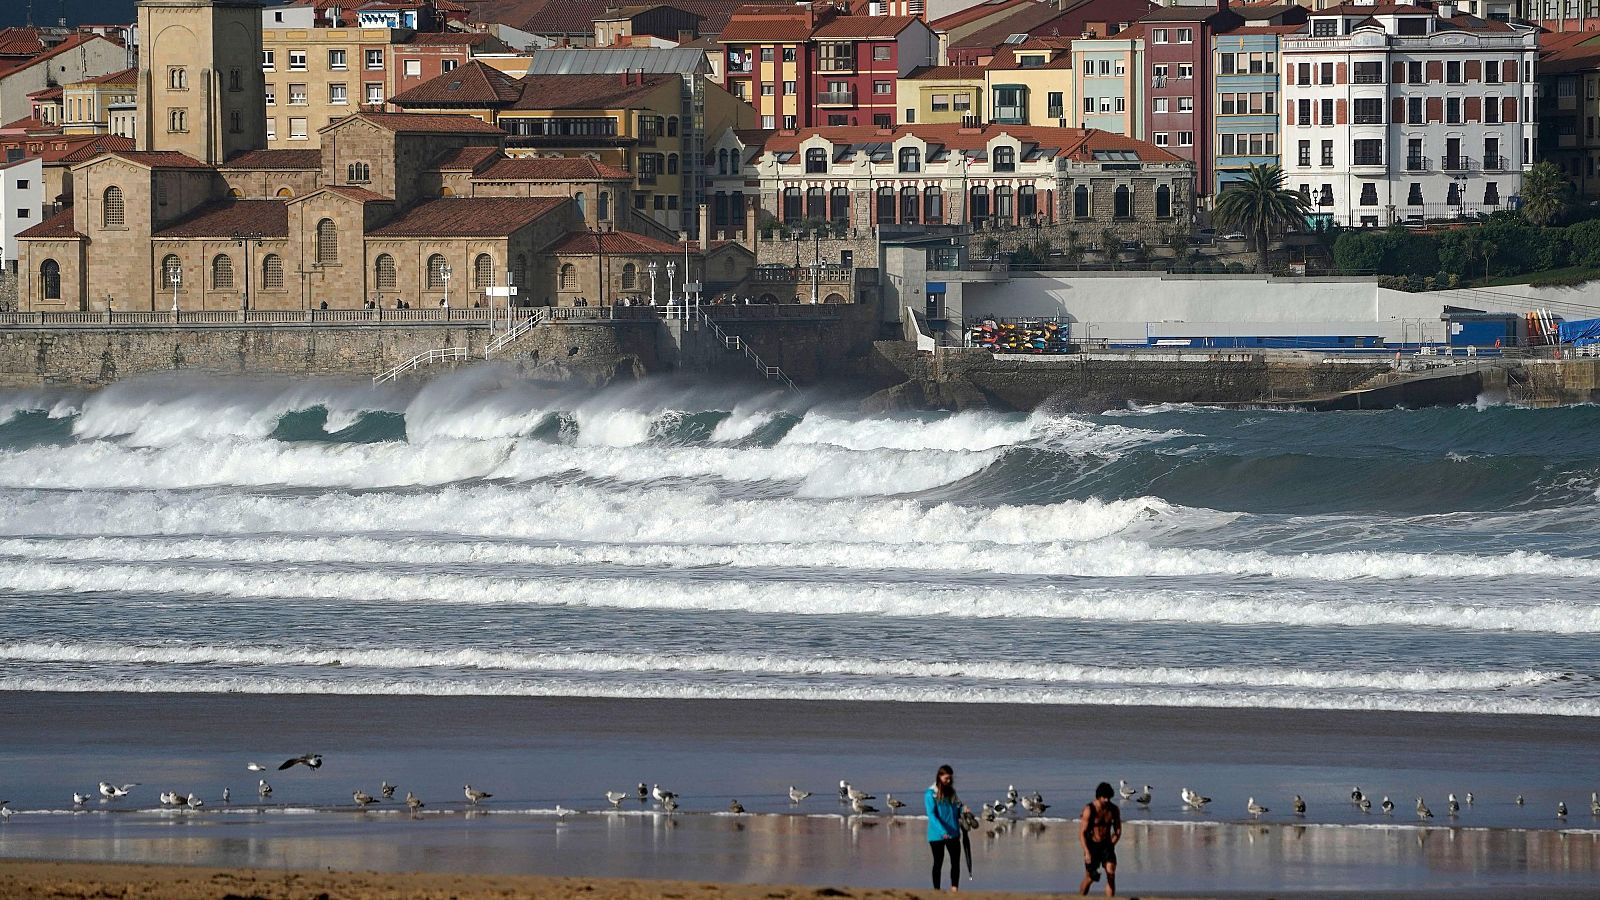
x=734 y=342
x=516 y=331
x=421 y=359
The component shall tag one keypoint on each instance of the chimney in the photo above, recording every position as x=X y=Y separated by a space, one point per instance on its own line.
x=1446 y=10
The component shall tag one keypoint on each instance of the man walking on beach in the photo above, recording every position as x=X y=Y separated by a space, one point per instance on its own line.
x=1099 y=831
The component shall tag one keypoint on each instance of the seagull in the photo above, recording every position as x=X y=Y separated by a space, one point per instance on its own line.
x=660 y=795
x=1143 y=797
x=1453 y=805
x=362 y=798
x=1356 y=795
x=615 y=798
x=893 y=804
x=670 y=803
x=1195 y=800
x=1423 y=812
x=562 y=812
x=195 y=802
x=413 y=802
x=1299 y=805
x=475 y=797
x=311 y=761
x=844 y=791
x=1124 y=788
x=1594 y=803
x=856 y=794
x=1366 y=804
x=859 y=804
x=735 y=807
x=1469 y=798
x=264 y=789
x=796 y=795
x=227 y=795
x=1011 y=794
x=1519 y=800
x=165 y=798
x=1035 y=805
x=988 y=813
x=387 y=790
x=79 y=799
x=1388 y=806
x=113 y=792
x=644 y=792
x=1254 y=808
x=5 y=811
x=1561 y=810
x=256 y=767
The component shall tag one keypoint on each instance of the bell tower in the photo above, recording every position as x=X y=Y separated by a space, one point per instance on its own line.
x=201 y=89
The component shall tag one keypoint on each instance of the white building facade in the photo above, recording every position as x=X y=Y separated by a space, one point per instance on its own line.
x=1409 y=111
x=21 y=205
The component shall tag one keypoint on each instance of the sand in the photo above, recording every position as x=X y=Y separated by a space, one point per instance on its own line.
x=23 y=880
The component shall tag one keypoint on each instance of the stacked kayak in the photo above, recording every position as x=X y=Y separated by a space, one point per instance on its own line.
x=1021 y=337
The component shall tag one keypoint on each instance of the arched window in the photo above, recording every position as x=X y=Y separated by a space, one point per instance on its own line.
x=1003 y=208
x=1163 y=202
x=816 y=161
x=933 y=205
x=722 y=162
x=672 y=163
x=1027 y=200
x=1005 y=159
x=327 y=242
x=839 y=206
x=436 y=269
x=791 y=205
x=383 y=274
x=178 y=120
x=359 y=173
x=630 y=277
x=222 y=272
x=886 y=205
x=482 y=272
x=1122 y=202
x=1080 y=202
x=177 y=78
x=910 y=159
x=980 y=204
x=569 y=277
x=909 y=196
x=605 y=205
x=50 y=279
x=672 y=126
x=171 y=271
x=816 y=203
x=111 y=208
x=285 y=192
x=582 y=202
x=272 y=273
x=235 y=193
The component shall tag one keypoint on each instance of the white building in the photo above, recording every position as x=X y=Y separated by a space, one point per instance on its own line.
x=1407 y=111
x=21 y=205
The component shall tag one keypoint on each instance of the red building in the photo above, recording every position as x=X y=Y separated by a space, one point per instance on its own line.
x=1177 y=60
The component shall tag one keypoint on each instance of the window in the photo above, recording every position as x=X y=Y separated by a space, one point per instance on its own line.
x=111 y=208
x=941 y=103
x=909 y=213
x=788 y=88
x=672 y=126
x=1185 y=70
x=1163 y=202
x=1080 y=202
x=1368 y=111
x=1368 y=73
x=962 y=102
x=1414 y=197
x=568 y=278
x=1185 y=139
x=338 y=94
x=1159 y=104
x=1185 y=104
x=1326 y=199
x=1369 y=193
x=1027 y=200
x=178 y=78
x=297 y=95
x=605 y=205
x=1414 y=110
x=1452 y=110
x=886 y=204
x=1414 y=73
x=222 y=273
x=1491 y=193
x=1105 y=67
x=816 y=161
x=1122 y=104
x=1452 y=72
x=1327 y=153
x=839 y=206
x=1368 y=152
x=768 y=90
x=327 y=242
x=1327 y=111
x=1105 y=104
x=171 y=271
x=1088 y=104
x=439 y=273
x=1004 y=208
x=24 y=214
x=883 y=87
x=383 y=274
x=766 y=54
x=374 y=59
x=880 y=53
x=1491 y=71
x=788 y=54
x=413 y=68
x=1226 y=144
x=1491 y=110
x=235 y=121
x=768 y=122
x=358 y=173
x=1161 y=139
x=672 y=163
x=272 y=273
x=791 y=206
x=448 y=65
x=1122 y=202
x=374 y=93
x=1053 y=105
x=177 y=120
x=336 y=60
x=235 y=77
x=1005 y=159
x=630 y=277
x=1326 y=76
x=297 y=60
x=50 y=279
x=270 y=94
x=272 y=129
x=297 y=129
x=1185 y=35
x=1158 y=36
x=1325 y=27
x=1303 y=116
x=1305 y=153
x=268 y=60
x=933 y=205
x=483 y=272
x=910 y=159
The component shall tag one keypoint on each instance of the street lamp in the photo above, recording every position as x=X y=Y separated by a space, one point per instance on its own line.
x=651 y=268
x=444 y=276
x=672 y=272
x=175 y=278
x=243 y=239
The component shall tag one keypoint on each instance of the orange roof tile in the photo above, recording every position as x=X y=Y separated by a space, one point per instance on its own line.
x=552 y=169
x=275 y=159
x=621 y=242
x=159 y=159
x=263 y=218
x=470 y=217
x=421 y=123
x=864 y=27
x=57 y=226
x=474 y=84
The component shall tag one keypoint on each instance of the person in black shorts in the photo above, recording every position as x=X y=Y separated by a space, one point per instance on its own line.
x=1100 y=830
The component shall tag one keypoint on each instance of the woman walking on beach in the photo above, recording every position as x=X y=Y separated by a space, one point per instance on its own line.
x=944 y=825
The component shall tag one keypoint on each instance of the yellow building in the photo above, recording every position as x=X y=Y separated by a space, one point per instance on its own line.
x=940 y=95
x=202 y=96
x=317 y=76
x=102 y=105
x=1031 y=84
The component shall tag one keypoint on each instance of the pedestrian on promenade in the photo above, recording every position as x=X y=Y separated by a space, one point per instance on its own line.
x=1100 y=828
x=944 y=825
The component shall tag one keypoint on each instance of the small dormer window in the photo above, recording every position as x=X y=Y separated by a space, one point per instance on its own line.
x=1005 y=159
x=1415 y=26
x=1325 y=27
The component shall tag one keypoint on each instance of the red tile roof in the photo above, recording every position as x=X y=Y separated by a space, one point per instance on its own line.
x=19 y=41
x=475 y=84
x=355 y=193
x=31 y=125
x=73 y=42
x=943 y=73
x=768 y=25
x=57 y=226
x=587 y=243
x=275 y=159
x=421 y=123
x=266 y=218
x=1074 y=143
x=479 y=41
x=49 y=93
x=552 y=17
x=470 y=217
x=862 y=28
x=126 y=76
x=551 y=169
x=81 y=151
x=469 y=159
x=159 y=159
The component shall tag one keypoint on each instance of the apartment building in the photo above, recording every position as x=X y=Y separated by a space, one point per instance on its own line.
x=1031 y=82
x=1569 y=107
x=77 y=57
x=1407 y=111
x=21 y=205
x=1110 y=87
x=1178 y=41
x=1245 y=101
x=943 y=95
x=105 y=104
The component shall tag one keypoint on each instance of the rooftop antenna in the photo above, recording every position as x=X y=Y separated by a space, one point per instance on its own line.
x=30 y=13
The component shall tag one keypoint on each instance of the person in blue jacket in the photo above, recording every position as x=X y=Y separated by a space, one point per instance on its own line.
x=944 y=825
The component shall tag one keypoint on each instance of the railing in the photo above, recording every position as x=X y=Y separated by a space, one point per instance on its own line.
x=233 y=317
x=511 y=334
x=836 y=64
x=1418 y=164
x=835 y=98
x=1367 y=161
x=1456 y=164
x=1369 y=119
x=1368 y=79
x=421 y=359
x=734 y=342
x=1054 y=112
x=1494 y=164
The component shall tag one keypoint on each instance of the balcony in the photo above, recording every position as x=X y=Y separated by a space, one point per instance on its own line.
x=647 y=178
x=836 y=98
x=1368 y=160
x=1369 y=119
x=1368 y=79
x=1011 y=115
x=1158 y=81
x=1495 y=164
x=1456 y=164
x=1418 y=164
x=1055 y=112
x=827 y=64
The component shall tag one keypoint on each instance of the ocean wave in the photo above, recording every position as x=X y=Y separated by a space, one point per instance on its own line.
x=1193 y=607
x=769 y=665
x=1106 y=558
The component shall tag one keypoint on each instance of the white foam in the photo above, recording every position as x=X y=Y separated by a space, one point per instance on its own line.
x=1510 y=614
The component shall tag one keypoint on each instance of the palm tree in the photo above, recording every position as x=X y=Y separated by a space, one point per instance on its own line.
x=1261 y=205
x=1544 y=194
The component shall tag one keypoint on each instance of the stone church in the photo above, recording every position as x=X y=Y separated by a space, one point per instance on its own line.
x=395 y=208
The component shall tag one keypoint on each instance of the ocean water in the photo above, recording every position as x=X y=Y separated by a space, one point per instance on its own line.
x=483 y=536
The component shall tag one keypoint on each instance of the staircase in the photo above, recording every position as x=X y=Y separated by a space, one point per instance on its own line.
x=518 y=330
x=418 y=361
x=736 y=343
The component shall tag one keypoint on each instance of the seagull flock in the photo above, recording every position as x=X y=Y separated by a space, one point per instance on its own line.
x=1014 y=805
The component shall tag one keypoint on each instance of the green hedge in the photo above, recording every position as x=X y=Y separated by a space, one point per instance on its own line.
x=1503 y=245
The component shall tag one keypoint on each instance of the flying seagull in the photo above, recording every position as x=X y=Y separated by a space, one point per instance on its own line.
x=311 y=761
x=255 y=767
